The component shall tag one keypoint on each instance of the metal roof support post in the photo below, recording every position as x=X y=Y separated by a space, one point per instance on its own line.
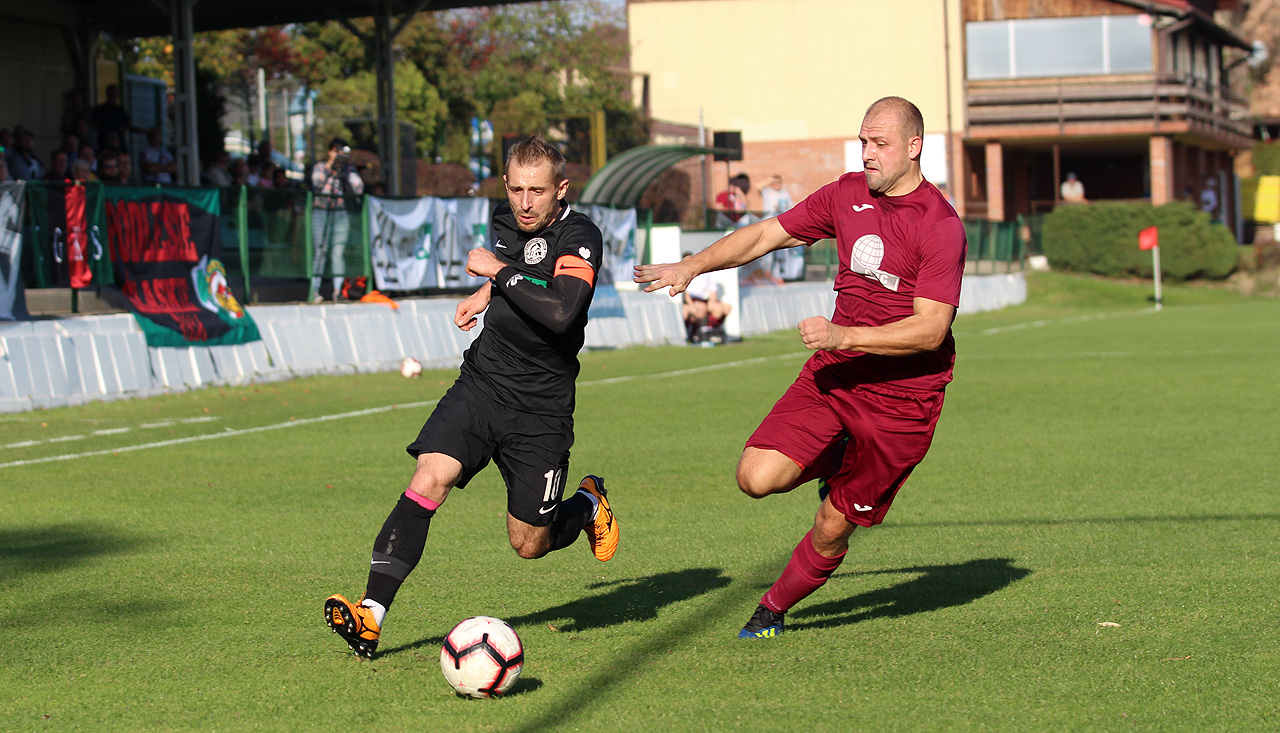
x=384 y=67
x=186 y=138
x=382 y=48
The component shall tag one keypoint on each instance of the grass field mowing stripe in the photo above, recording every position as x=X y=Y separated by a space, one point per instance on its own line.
x=362 y=413
x=641 y=656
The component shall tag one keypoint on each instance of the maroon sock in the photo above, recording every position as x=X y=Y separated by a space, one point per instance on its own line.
x=805 y=573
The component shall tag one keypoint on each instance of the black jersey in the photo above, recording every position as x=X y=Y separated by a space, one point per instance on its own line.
x=526 y=356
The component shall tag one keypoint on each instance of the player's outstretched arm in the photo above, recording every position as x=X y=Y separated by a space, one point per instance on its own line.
x=736 y=248
x=924 y=330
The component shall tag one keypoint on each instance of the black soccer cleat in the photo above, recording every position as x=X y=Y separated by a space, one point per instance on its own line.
x=764 y=624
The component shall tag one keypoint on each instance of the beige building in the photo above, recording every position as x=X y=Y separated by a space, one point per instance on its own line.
x=796 y=77
x=1133 y=96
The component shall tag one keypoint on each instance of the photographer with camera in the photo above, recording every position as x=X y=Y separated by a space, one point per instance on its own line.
x=336 y=195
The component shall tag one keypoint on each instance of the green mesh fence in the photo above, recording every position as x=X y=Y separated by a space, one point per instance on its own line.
x=277 y=224
x=995 y=245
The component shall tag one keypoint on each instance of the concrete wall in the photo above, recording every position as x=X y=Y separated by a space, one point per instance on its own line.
x=72 y=361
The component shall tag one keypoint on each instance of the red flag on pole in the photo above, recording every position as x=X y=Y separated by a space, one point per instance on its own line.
x=1148 y=238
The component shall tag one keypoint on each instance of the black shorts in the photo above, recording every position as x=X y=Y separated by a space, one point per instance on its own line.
x=531 y=451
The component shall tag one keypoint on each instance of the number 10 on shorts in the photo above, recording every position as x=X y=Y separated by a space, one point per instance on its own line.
x=555 y=482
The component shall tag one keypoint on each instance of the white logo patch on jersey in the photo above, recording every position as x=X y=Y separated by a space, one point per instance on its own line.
x=514 y=279
x=535 y=251
x=868 y=253
x=862 y=207
x=584 y=253
x=500 y=245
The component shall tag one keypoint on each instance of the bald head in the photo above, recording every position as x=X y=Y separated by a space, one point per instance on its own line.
x=907 y=116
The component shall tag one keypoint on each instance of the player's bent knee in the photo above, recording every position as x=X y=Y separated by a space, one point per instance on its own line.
x=528 y=550
x=752 y=484
x=528 y=543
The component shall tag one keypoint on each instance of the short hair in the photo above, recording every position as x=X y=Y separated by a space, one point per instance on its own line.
x=910 y=121
x=337 y=144
x=534 y=150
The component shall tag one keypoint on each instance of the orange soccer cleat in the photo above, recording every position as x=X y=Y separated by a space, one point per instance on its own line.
x=603 y=532
x=354 y=623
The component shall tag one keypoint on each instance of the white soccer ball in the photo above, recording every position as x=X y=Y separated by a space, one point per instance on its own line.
x=482 y=657
x=410 y=367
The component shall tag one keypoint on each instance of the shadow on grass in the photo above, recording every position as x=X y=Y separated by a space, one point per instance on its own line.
x=935 y=587
x=58 y=547
x=632 y=599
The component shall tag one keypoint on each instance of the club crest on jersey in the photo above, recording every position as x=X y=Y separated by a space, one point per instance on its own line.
x=866 y=256
x=535 y=251
x=584 y=253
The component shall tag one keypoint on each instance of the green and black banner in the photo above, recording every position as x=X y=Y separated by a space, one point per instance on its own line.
x=68 y=231
x=165 y=246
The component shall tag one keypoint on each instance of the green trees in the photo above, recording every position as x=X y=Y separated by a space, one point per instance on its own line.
x=536 y=68
x=525 y=68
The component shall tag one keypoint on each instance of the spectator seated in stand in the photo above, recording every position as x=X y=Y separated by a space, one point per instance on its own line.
x=704 y=311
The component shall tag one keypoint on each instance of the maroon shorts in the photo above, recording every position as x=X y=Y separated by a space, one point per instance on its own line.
x=888 y=429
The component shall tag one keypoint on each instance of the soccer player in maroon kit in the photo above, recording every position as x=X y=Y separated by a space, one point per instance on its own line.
x=861 y=414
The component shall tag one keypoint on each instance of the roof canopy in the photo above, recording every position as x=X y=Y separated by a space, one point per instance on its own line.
x=623 y=180
x=141 y=18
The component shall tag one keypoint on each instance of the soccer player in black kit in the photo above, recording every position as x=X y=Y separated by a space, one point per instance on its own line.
x=513 y=400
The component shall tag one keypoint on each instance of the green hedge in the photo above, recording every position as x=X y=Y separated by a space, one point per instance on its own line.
x=1102 y=238
x=1266 y=158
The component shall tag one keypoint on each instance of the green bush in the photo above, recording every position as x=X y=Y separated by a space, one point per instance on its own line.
x=1266 y=158
x=1102 y=238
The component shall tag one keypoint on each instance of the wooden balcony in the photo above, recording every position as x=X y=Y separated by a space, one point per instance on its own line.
x=1142 y=104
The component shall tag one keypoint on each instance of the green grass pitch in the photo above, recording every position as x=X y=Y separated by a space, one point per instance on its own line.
x=1093 y=543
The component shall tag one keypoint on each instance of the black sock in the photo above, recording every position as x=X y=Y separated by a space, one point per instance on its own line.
x=398 y=549
x=571 y=517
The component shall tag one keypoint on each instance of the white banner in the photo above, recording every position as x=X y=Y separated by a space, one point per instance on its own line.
x=422 y=243
x=619 y=229
x=11 y=305
x=618 y=226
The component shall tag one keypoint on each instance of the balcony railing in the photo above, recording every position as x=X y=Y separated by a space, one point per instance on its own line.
x=1159 y=100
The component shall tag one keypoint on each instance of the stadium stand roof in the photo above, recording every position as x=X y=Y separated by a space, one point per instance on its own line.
x=623 y=180
x=142 y=18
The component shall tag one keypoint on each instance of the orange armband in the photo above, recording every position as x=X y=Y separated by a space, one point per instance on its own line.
x=575 y=267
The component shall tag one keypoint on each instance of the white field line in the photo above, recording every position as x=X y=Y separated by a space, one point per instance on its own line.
x=370 y=411
x=111 y=431
x=1161 y=353
x=1071 y=319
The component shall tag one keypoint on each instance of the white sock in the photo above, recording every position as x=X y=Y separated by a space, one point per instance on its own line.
x=595 y=503
x=379 y=610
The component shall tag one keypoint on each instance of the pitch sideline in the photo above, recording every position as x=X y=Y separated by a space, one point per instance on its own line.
x=375 y=411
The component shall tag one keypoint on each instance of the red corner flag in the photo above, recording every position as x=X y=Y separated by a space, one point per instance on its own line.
x=1148 y=238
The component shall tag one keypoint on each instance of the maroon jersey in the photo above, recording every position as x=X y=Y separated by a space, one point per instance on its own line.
x=892 y=250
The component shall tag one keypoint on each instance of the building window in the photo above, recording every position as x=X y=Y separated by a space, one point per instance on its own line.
x=1039 y=47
